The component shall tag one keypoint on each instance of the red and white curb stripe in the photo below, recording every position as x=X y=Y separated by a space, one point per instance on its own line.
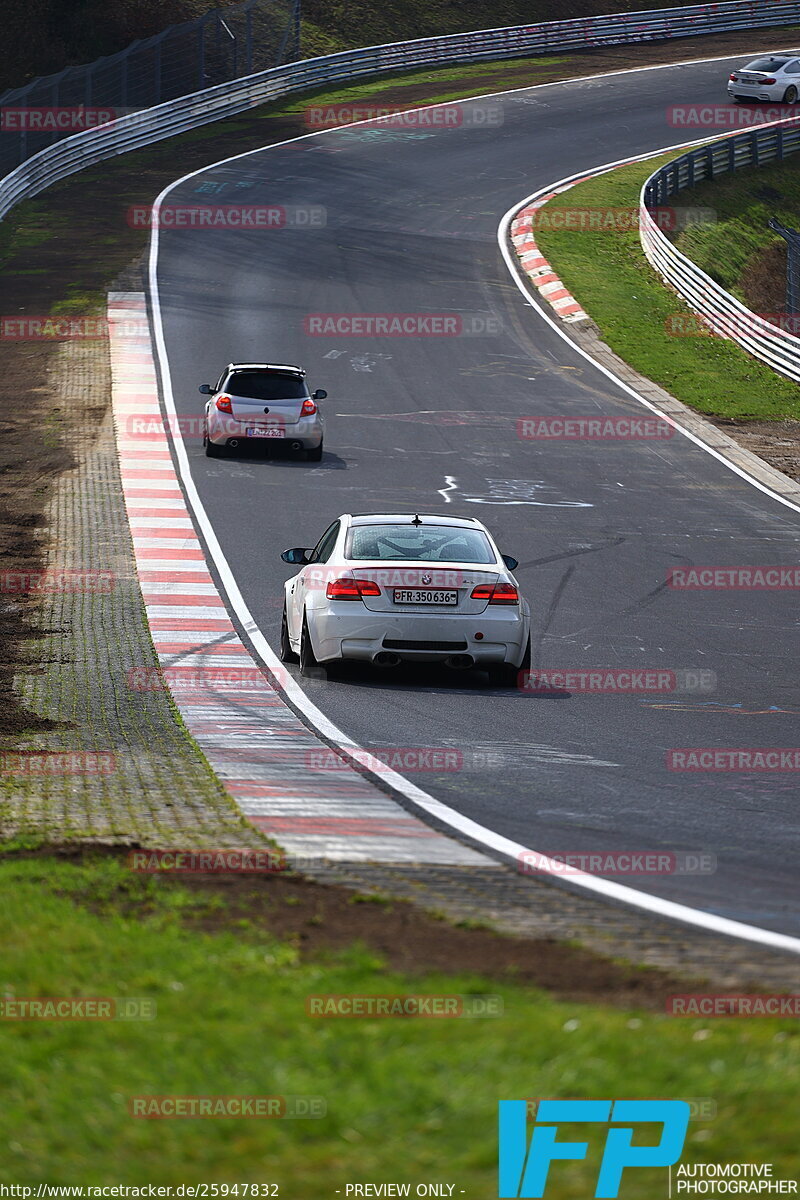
x=265 y=757
x=536 y=266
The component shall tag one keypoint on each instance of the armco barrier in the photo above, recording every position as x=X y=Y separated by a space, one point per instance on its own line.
x=177 y=116
x=754 y=148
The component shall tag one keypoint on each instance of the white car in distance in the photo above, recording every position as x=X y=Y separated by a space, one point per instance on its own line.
x=773 y=77
x=389 y=588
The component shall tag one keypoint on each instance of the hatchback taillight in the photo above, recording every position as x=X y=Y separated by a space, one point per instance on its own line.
x=224 y=404
x=308 y=408
x=495 y=593
x=348 y=588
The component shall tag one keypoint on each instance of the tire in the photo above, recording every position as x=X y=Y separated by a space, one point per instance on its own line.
x=211 y=449
x=286 y=653
x=315 y=455
x=790 y=95
x=506 y=676
x=309 y=667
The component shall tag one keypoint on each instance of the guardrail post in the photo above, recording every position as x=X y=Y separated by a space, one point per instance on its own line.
x=201 y=54
x=248 y=60
x=297 y=29
x=754 y=148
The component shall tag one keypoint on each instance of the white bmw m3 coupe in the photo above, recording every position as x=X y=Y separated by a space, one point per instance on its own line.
x=389 y=588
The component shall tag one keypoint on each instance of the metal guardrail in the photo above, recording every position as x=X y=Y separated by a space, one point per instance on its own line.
x=221 y=45
x=153 y=124
x=723 y=313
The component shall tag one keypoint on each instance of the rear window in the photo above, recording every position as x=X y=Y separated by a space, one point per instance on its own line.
x=766 y=64
x=265 y=385
x=418 y=543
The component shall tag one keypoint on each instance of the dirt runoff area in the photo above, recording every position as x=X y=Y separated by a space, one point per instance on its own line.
x=60 y=252
x=320 y=919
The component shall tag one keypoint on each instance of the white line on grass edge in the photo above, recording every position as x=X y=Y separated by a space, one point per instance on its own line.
x=487 y=838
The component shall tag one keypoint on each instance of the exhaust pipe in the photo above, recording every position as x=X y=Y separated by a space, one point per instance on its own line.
x=460 y=662
x=385 y=658
x=233 y=443
x=297 y=445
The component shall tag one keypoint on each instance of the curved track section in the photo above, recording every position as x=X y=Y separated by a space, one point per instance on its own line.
x=431 y=422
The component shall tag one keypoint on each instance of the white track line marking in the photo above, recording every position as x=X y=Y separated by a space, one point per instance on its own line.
x=504 y=847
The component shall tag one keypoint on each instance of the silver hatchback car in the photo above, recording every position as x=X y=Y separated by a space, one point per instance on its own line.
x=258 y=402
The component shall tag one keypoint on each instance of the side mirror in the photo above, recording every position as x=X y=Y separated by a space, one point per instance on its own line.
x=319 y=394
x=510 y=562
x=206 y=389
x=297 y=556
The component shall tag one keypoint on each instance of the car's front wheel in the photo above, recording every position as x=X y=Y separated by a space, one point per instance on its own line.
x=790 y=95
x=286 y=652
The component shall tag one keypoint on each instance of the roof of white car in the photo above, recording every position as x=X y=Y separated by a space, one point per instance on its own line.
x=411 y=518
x=265 y=367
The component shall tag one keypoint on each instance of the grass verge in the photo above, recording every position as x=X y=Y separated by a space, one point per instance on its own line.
x=610 y=276
x=740 y=251
x=231 y=1020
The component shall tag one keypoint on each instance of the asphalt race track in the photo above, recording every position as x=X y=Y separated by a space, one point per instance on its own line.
x=430 y=424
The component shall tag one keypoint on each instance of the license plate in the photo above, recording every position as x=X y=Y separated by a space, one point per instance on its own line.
x=411 y=596
x=271 y=431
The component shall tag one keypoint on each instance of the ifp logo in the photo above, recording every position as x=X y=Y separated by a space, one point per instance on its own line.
x=524 y=1170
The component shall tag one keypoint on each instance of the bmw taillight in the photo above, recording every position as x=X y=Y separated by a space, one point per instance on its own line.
x=348 y=588
x=308 y=408
x=768 y=81
x=495 y=593
x=224 y=404
x=733 y=78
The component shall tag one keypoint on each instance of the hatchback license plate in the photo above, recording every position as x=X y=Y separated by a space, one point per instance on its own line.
x=428 y=596
x=273 y=431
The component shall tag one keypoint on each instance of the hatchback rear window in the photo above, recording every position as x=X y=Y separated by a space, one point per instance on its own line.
x=265 y=385
x=766 y=64
x=418 y=543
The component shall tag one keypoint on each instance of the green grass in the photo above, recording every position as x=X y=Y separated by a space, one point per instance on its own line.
x=407 y=1100
x=608 y=273
x=744 y=202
